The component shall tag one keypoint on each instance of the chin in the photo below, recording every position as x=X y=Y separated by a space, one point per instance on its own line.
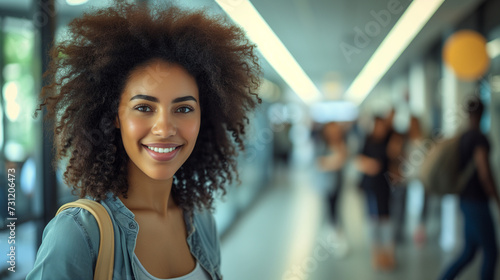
x=161 y=175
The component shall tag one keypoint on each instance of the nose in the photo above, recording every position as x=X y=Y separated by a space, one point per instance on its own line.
x=164 y=126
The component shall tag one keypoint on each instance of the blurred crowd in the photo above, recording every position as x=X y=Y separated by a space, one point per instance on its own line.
x=382 y=161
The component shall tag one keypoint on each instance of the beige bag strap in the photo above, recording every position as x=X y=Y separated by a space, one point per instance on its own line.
x=105 y=259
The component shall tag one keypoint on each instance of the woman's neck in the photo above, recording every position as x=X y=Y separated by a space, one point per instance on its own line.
x=148 y=194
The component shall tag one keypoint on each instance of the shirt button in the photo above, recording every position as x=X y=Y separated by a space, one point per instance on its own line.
x=132 y=225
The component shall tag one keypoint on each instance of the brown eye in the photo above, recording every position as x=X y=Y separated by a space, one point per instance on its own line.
x=143 y=108
x=184 y=109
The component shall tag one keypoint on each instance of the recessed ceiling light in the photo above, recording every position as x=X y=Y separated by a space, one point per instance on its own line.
x=76 y=2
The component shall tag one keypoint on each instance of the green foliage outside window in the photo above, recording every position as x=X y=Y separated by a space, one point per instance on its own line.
x=18 y=91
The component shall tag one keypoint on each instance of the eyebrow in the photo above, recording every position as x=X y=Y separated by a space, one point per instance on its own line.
x=145 y=97
x=154 y=99
x=184 y=98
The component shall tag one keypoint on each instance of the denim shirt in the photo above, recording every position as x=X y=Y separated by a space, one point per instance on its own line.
x=70 y=243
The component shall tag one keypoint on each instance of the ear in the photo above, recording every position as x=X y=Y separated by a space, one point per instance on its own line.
x=117 y=122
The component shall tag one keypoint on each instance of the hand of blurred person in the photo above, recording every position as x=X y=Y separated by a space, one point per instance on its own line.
x=368 y=165
x=323 y=163
x=330 y=163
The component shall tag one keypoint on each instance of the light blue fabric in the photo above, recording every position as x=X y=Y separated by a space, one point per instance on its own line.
x=70 y=244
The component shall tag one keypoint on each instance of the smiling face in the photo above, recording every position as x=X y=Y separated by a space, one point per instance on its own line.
x=159 y=118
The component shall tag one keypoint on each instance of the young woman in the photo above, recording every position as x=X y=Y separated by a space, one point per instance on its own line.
x=373 y=162
x=149 y=109
x=334 y=161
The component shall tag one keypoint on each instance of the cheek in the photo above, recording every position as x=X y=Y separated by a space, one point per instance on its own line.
x=191 y=128
x=133 y=129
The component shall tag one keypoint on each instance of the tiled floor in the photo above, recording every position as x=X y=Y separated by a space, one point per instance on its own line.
x=285 y=236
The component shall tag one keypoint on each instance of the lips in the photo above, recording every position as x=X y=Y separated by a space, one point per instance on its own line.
x=162 y=152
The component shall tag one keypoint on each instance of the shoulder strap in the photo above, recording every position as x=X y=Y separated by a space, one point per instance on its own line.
x=105 y=259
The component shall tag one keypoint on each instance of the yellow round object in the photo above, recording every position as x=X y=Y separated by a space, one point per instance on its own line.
x=465 y=52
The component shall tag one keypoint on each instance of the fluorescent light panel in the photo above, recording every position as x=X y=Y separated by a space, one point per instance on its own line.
x=404 y=31
x=273 y=50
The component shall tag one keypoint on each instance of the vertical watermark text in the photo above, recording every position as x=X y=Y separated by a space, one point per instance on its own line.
x=11 y=218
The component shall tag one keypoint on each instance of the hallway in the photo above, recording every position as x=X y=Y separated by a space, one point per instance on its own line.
x=286 y=236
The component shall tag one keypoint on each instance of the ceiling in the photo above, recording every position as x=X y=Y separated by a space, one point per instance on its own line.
x=314 y=31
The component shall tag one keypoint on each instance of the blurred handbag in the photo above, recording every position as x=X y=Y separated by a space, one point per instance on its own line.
x=105 y=258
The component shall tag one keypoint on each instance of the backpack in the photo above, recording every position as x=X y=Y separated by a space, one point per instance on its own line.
x=440 y=172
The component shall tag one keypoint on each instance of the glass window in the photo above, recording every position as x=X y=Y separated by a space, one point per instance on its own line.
x=19 y=142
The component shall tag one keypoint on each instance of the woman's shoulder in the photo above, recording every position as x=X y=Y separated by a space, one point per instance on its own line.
x=69 y=247
x=76 y=226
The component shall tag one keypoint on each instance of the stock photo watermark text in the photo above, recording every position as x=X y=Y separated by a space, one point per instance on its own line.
x=11 y=219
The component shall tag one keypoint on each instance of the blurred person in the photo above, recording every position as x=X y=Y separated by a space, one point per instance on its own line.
x=412 y=166
x=373 y=162
x=168 y=92
x=282 y=145
x=403 y=171
x=420 y=233
x=413 y=142
x=333 y=162
x=396 y=148
x=479 y=229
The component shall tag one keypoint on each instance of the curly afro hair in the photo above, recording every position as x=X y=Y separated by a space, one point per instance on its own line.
x=88 y=73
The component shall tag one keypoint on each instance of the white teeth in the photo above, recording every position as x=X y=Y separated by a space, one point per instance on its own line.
x=162 y=150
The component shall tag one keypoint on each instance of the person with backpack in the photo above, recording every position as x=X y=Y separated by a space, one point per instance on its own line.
x=479 y=229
